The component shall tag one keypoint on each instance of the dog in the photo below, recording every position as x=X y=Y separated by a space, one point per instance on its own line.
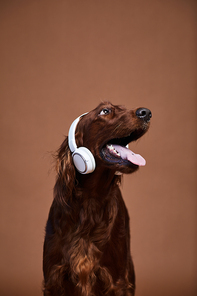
x=87 y=239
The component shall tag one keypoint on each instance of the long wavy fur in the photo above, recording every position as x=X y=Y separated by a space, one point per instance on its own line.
x=87 y=241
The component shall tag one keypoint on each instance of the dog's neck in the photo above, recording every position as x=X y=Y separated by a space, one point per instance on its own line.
x=100 y=181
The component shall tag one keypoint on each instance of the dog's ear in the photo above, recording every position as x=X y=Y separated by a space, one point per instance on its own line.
x=65 y=182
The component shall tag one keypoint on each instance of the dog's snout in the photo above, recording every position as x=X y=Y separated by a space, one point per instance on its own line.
x=144 y=113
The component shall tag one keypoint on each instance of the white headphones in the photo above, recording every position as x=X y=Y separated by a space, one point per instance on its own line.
x=82 y=157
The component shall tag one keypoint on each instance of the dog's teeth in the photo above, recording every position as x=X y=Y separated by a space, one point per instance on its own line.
x=117 y=152
x=112 y=149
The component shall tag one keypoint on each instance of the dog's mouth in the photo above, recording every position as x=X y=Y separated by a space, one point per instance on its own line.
x=116 y=151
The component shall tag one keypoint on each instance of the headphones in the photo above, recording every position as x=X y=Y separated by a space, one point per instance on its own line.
x=82 y=157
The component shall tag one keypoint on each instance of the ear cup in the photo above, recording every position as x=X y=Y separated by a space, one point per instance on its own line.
x=84 y=160
x=82 y=157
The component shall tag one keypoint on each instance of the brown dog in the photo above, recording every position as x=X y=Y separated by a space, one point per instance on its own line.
x=87 y=241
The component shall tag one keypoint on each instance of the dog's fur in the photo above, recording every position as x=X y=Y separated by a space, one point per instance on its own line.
x=87 y=241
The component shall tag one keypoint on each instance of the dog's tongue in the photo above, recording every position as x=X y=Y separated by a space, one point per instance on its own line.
x=125 y=153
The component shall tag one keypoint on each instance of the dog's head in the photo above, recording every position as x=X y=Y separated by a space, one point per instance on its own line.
x=108 y=129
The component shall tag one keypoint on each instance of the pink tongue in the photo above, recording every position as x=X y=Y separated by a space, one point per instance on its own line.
x=125 y=153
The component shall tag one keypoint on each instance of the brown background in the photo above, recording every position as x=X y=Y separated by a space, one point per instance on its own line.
x=59 y=59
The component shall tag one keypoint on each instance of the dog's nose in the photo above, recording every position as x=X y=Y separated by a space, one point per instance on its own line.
x=144 y=113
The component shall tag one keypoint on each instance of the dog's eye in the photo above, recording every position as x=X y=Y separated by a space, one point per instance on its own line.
x=105 y=111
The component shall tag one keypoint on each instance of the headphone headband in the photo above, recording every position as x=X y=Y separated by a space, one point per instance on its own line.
x=71 y=134
x=82 y=157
